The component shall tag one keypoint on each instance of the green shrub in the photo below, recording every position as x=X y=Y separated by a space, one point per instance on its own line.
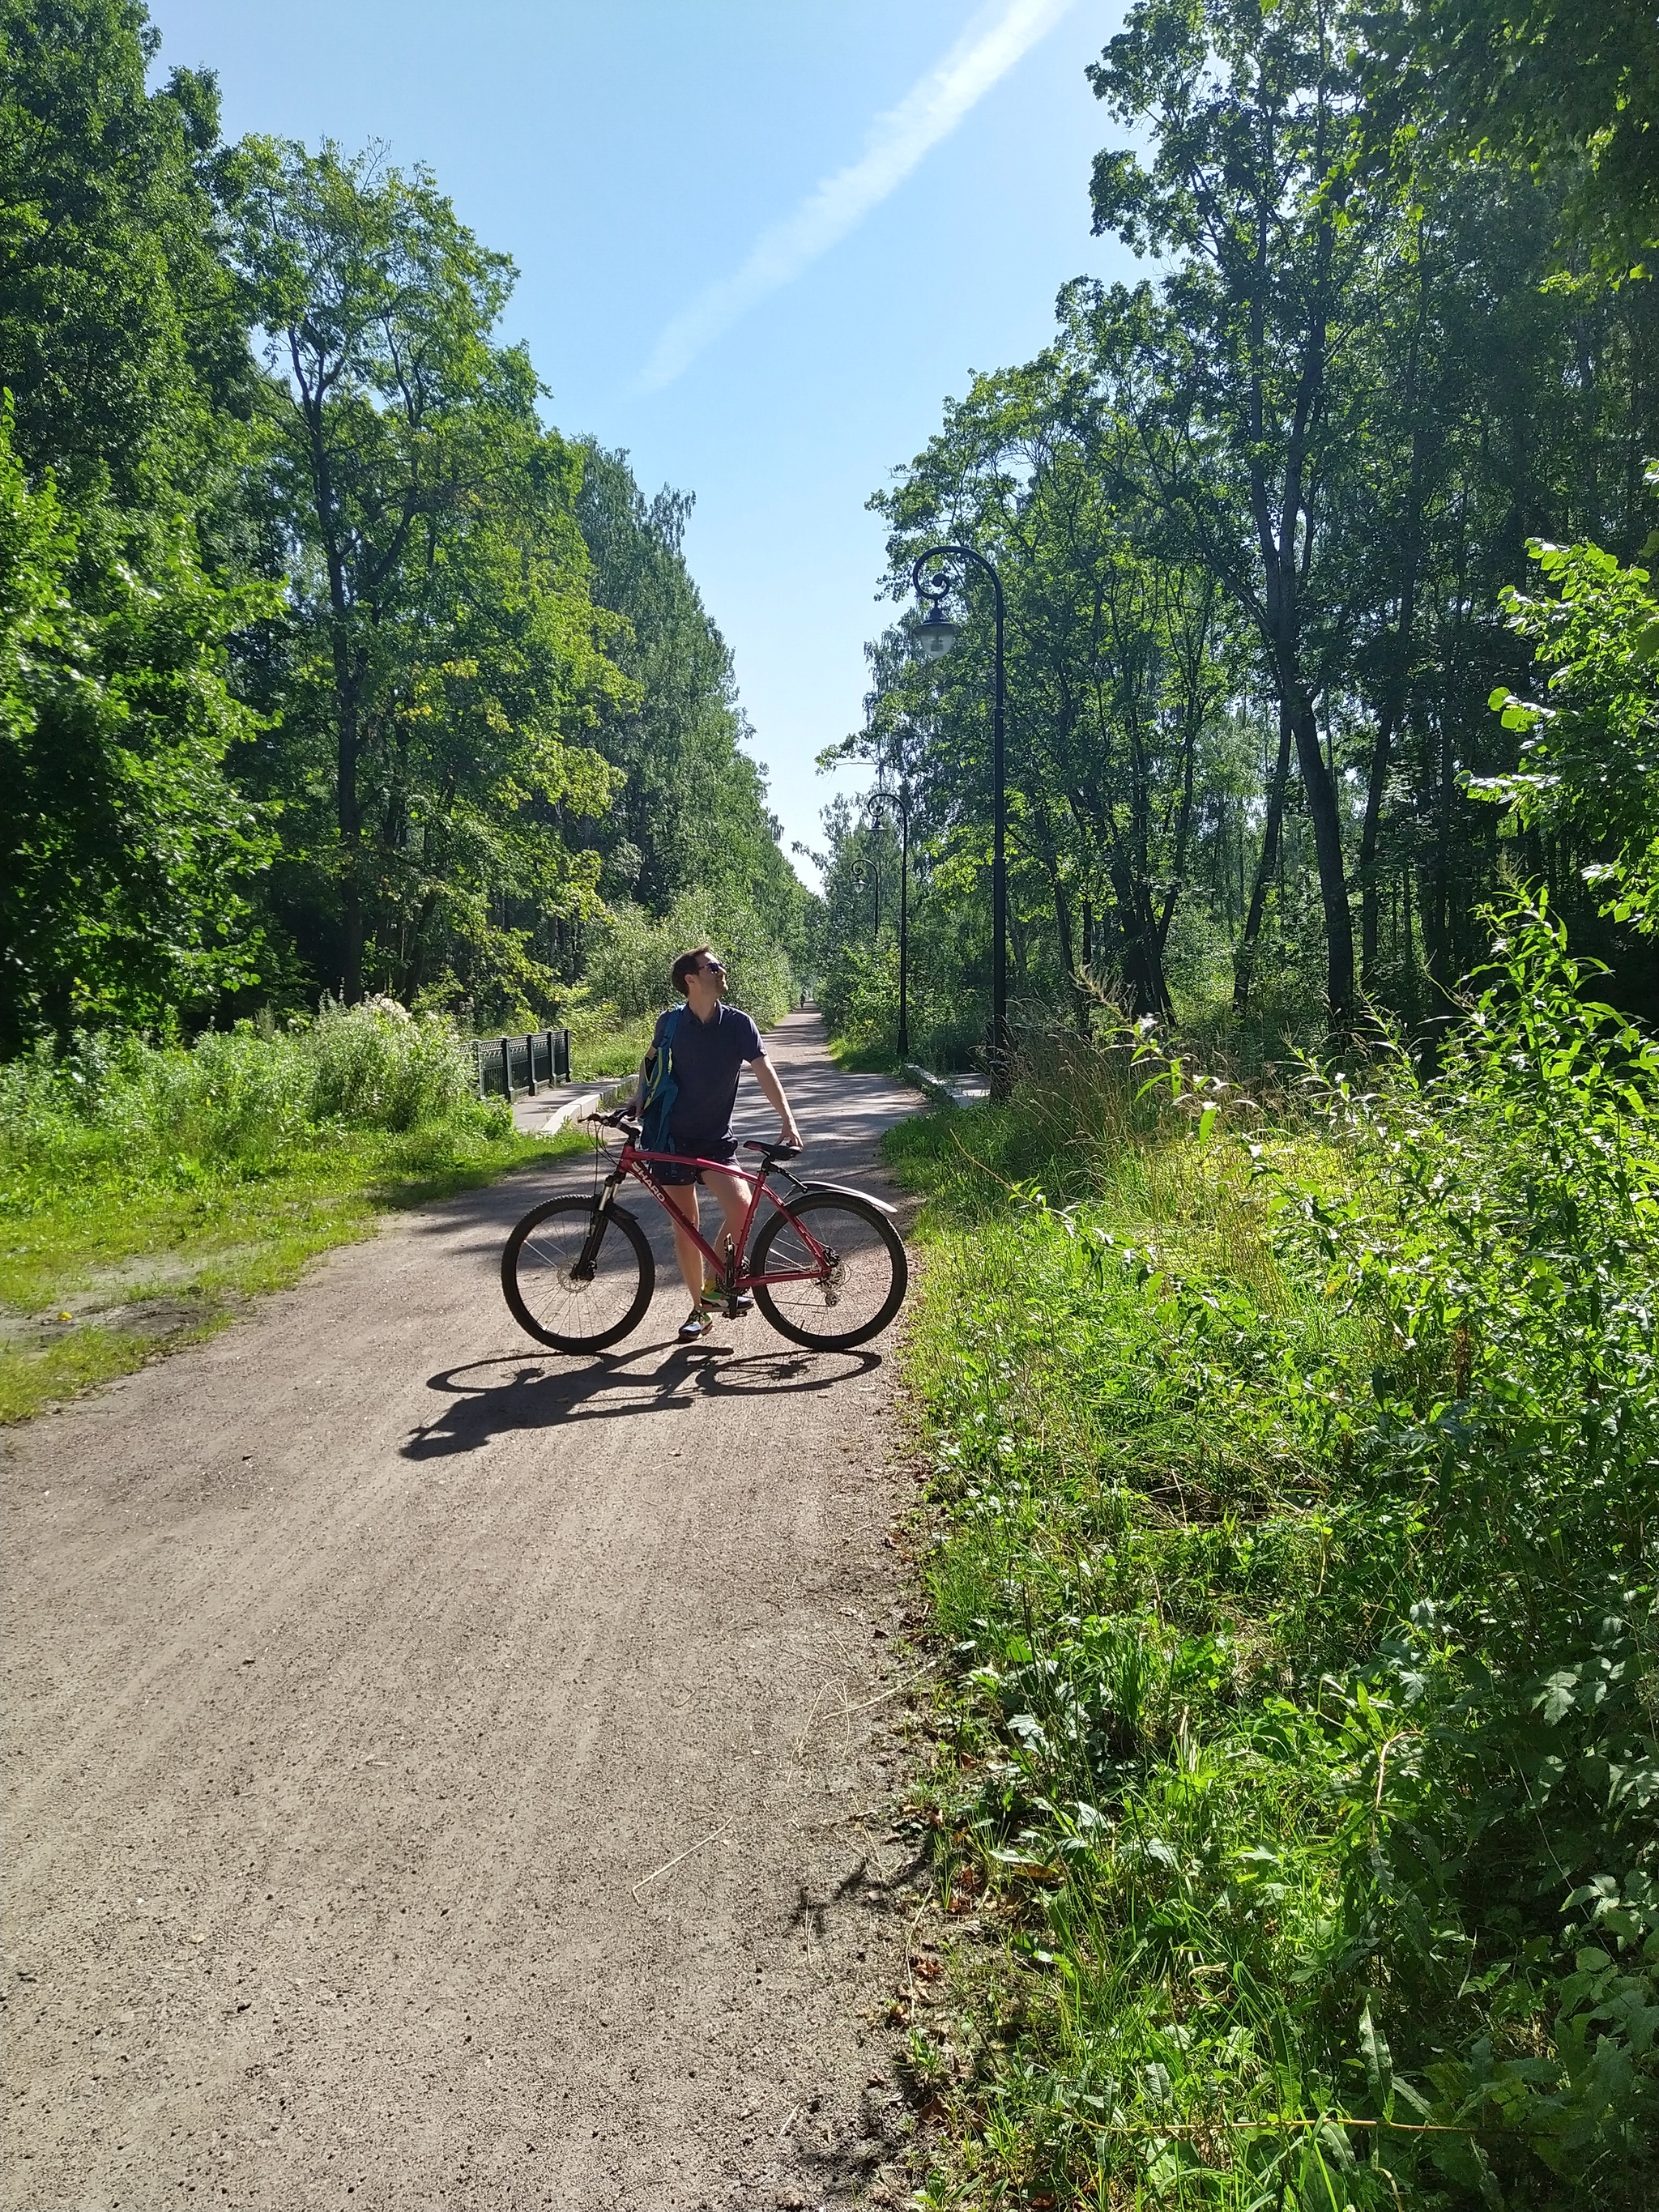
x=376 y=1065
x=1298 y=1490
x=629 y=967
x=859 y=997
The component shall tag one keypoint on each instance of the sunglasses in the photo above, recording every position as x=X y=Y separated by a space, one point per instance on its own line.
x=710 y=967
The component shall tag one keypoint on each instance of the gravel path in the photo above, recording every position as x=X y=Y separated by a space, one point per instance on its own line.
x=367 y=1670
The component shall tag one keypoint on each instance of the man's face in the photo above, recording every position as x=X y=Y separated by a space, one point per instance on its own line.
x=712 y=968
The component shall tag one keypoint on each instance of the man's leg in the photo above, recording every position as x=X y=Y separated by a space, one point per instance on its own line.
x=732 y=1194
x=683 y=1197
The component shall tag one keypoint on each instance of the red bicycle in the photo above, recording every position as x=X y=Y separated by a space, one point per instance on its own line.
x=827 y=1268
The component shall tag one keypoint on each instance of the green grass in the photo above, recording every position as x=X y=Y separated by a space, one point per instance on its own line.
x=864 y=1059
x=148 y=1190
x=142 y=1269
x=600 y=1045
x=1298 y=1771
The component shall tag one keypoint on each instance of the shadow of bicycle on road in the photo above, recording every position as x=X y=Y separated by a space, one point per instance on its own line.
x=495 y=1397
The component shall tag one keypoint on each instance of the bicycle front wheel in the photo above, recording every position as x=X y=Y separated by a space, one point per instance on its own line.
x=844 y=1268
x=549 y=1295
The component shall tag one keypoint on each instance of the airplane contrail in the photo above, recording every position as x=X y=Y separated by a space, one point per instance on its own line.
x=929 y=112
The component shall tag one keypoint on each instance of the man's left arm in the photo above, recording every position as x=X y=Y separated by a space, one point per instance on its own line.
x=766 y=1076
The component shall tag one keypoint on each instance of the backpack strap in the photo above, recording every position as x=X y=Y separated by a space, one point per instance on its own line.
x=660 y=1090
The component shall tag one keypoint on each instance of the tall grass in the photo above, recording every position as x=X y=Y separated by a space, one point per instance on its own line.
x=126 y=1110
x=144 y=1188
x=1296 y=1479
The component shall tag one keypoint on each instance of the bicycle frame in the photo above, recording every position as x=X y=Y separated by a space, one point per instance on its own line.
x=633 y=1163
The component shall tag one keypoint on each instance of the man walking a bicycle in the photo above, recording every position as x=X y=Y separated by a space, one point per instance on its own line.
x=709 y=1043
x=826 y=1264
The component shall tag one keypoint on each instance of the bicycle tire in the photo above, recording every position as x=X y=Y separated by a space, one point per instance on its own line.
x=539 y=1290
x=793 y=1309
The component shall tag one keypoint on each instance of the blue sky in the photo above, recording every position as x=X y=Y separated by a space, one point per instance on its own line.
x=759 y=241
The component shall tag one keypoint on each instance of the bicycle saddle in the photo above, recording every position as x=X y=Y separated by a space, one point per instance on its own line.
x=773 y=1151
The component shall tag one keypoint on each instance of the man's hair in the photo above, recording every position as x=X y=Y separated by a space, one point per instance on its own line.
x=685 y=963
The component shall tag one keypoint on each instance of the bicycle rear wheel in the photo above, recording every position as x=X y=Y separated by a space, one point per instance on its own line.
x=546 y=1295
x=849 y=1265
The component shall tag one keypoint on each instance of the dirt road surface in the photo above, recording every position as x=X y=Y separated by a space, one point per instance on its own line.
x=432 y=1777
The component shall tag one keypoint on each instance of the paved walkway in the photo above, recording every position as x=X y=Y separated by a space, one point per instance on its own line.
x=554 y=1104
x=440 y=1773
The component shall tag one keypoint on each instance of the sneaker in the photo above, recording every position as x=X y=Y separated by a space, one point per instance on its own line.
x=714 y=1299
x=697 y=1323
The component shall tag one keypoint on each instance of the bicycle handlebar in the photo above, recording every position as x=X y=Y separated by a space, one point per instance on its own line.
x=632 y=1124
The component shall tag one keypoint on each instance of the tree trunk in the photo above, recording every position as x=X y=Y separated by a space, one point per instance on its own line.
x=347 y=707
x=1068 y=960
x=1394 y=694
x=1368 y=901
x=1244 y=957
x=1184 y=826
x=1320 y=788
x=1434 y=905
x=1142 y=963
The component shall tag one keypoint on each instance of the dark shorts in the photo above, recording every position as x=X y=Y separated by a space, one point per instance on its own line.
x=724 y=1153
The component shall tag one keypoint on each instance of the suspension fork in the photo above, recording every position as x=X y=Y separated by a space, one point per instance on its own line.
x=588 y=1259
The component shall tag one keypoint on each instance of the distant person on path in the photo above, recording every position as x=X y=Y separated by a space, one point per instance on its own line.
x=710 y=1044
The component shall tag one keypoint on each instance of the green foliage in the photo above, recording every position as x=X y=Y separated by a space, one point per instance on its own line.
x=859 y=995
x=1297 y=1490
x=1120 y=662
x=128 y=855
x=629 y=967
x=442 y=648
x=319 y=675
x=114 y=1107
x=1254 y=517
x=1565 y=86
x=691 y=814
x=1589 y=760
x=120 y=339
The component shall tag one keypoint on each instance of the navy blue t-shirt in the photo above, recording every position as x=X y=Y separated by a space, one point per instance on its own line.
x=706 y=1061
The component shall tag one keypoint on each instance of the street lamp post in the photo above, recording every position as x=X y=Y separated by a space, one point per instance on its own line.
x=904 y=921
x=935 y=635
x=901 y=797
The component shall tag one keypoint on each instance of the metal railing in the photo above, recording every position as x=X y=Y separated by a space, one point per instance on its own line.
x=509 y=1065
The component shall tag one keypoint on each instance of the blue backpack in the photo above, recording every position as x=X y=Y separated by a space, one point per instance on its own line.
x=660 y=1091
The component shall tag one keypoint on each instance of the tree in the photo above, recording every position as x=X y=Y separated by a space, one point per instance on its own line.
x=438 y=575
x=1572 y=88
x=126 y=855
x=1116 y=661
x=375 y=545
x=120 y=339
x=1233 y=374
x=1590 y=751
x=692 y=810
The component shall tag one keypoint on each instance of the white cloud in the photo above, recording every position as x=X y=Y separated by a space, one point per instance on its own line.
x=930 y=111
